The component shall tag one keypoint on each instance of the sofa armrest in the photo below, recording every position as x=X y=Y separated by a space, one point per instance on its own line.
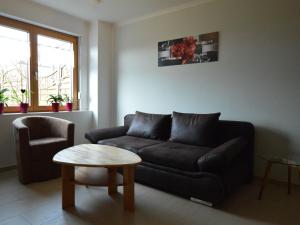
x=99 y=134
x=222 y=156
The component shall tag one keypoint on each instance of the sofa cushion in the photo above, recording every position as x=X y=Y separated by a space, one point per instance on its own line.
x=44 y=149
x=130 y=143
x=174 y=155
x=195 y=129
x=154 y=126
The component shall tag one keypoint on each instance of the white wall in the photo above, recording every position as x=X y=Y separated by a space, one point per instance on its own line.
x=93 y=72
x=81 y=119
x=106 y=40
x=101 y=40
x=256 y=78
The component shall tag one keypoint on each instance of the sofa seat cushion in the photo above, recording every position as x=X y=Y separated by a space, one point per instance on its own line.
x=174 y=155
x=44 y=149
x=129 y=142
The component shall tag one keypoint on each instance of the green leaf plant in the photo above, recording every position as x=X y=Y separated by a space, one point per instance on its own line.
x=56 y=99
x=68 y=99
x=3 y=97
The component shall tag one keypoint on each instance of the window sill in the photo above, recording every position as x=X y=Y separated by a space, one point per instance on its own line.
x=42 y=113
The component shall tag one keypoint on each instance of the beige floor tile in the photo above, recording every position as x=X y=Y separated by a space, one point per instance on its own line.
x=40 y=203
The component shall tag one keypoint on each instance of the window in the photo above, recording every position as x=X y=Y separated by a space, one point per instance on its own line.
x=39 y=60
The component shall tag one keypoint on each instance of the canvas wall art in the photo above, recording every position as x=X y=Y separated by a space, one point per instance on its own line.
x=193 y=49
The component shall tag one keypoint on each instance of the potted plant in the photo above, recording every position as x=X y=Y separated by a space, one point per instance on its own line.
x=24 y=105
x=23 y=100
x=69 y=103
x=56 y=101
x=3 y=99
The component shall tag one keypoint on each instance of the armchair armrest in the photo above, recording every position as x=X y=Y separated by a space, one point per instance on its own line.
x=99 y=134
x=62 y=128
x=21 y=133
x=222 y=156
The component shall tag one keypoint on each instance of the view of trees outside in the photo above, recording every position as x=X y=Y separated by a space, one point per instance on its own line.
x=55 y=65
x=14 y=62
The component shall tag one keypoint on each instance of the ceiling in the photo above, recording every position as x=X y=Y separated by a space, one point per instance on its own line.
x=117 y=11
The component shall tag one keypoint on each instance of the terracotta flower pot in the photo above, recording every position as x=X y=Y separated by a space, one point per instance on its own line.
x=55 y=107
x=24 y=107
x=69 y=106
x=1 y=107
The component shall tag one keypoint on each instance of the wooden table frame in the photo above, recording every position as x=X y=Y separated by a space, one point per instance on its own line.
x=267 y=172
x=68 y=185
x=97 y=165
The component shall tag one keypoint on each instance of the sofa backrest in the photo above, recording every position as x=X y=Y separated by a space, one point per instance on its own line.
x=128 y=119
x=232 y=129
x=227 y=129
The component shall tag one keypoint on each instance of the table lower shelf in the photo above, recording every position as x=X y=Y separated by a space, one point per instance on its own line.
x=94 y=176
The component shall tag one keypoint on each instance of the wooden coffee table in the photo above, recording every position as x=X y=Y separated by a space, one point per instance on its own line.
x=88 y=158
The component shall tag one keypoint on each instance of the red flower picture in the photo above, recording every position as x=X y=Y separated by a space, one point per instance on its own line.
x=187 y=50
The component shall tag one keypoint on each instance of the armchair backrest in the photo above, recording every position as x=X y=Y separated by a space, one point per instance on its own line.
x=38 y=127
x=45 y=126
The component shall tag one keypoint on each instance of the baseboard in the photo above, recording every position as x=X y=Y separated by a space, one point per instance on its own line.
x=8 y=168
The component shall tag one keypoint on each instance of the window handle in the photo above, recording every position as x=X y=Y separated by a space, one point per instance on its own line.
x=36 y=76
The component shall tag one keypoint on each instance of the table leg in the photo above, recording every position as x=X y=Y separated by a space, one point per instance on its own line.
x=298 y=169
x=112 y=176
x=128 y=182
x=267 y=171
x=289 y=179
x=68 y=186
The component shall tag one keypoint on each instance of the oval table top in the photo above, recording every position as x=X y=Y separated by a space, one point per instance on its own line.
x=94 y=155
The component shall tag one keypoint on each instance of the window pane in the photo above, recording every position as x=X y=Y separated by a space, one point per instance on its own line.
x=14 y=63
x=55 y=68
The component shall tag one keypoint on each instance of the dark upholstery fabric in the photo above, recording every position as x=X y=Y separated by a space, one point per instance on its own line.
x=38 y=139
x=232 y=129
x=154 y=126
x=99 y=134
x=174 y=155
x=221 y=157
x=192 y=174
x=43 y=126
x=41 y=171
x=236 y=174
x=46 y=148
x=46 y=141
x=212 y=186
x=195 y=129
x=36 y=126
x=128 y=119
x=206 y=186
x=130 y=143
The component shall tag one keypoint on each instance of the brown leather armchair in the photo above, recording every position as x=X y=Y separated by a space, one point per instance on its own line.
x=38 y=139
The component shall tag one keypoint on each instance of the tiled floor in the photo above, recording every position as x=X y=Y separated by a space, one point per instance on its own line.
x=40 y=203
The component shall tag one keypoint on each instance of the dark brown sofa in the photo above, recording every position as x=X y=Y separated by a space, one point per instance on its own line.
x=202 y=172
x=38 y=139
